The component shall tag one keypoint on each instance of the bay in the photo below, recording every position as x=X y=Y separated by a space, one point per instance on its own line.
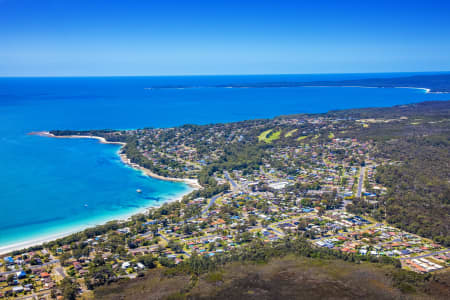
x=54 y=186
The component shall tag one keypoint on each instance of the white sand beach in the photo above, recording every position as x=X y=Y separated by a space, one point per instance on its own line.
x=193 y=183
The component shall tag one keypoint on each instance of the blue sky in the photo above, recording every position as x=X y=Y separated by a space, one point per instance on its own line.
x=112 y=37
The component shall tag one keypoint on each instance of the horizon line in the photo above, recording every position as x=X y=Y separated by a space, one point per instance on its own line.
x=200 y=75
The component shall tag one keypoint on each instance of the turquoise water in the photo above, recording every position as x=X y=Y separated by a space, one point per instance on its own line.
x=49 y=186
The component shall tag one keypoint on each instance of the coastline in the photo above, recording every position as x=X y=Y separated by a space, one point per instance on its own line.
x=36 y=241
x=191 y=182
x=427 y=90
x=123 y=157
x=102 y=140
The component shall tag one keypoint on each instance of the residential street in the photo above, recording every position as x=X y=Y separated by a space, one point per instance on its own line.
x=361 y=182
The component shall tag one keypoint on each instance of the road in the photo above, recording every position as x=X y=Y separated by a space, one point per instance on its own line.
x=227 y=176
x=39 y=295
x=32 y=267
x=361 y=181
x=276 y=231
x=203 y=238
x=349 y=232
x=211 y=202
x=178 y=159
x=167 y=240
x=270 y=227
x=61 y=272
x=425 y=255
x=205 y=210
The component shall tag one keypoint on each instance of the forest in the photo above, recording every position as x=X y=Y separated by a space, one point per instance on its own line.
x=418 y=198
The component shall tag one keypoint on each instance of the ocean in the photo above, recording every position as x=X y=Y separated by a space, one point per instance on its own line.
x=50 y=186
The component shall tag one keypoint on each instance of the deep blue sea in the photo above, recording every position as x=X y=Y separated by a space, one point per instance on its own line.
x=51 y=186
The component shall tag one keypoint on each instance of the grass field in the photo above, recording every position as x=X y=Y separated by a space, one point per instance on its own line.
x=290 y=133
x=263 y=136
x=269 y=136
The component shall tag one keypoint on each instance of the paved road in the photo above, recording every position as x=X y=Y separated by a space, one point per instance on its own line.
x=269 y=227
x=361 y=181
x=167 y=240
x=60 y=271
x=276 y=231
x=143 y=249
x=227 y=176
x=32 y=267
x=205 y=210
x=211 y=202
x=425 y=255
x=38 y=295
x=163 y=237
x=178 y=159
x=204 y=238
x=349 y=232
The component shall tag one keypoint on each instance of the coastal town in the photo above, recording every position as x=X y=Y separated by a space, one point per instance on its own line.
x=292 y=177
x=224 y=150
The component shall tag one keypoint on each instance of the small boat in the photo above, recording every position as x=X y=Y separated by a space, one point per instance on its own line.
x=85 y=205
x=139 y=191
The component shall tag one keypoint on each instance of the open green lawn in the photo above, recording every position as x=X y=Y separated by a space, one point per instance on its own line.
x=263 y=136
x=290 y=133
x=331 y=135
x=269 y=136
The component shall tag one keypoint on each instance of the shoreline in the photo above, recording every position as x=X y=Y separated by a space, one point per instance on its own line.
x=37 y=241
x=102 y=140
x=193 y=183
x=123 y=157
x=427 y=90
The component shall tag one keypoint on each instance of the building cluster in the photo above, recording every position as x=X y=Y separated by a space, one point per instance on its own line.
x=306 y=178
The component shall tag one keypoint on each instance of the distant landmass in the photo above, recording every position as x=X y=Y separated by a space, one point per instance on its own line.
x=432 y=83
